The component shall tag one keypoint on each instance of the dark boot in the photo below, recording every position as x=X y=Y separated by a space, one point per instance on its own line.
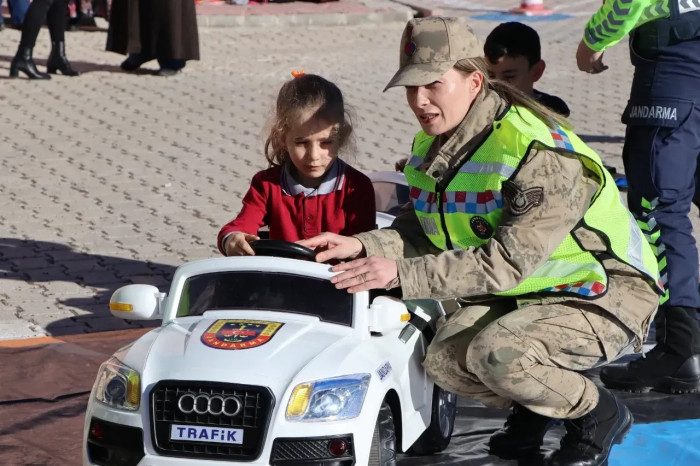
x=134 y=61
x=658 y=370
x=588 y=439
x=522 y=434
x=170 y=67
x=672 y=366
x=58 y=62
x=24 y=62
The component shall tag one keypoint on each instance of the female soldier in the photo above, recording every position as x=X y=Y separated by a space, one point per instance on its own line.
x=516 y=217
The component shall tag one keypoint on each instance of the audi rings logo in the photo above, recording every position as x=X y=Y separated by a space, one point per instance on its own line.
x=215 y=405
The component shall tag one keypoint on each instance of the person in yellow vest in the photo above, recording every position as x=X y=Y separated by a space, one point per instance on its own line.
x=661 y=156
x=513 y=215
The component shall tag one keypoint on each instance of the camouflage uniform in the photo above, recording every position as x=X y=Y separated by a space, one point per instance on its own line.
x=498 y=350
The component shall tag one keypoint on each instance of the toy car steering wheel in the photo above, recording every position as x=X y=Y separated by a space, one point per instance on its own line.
x=279 y=248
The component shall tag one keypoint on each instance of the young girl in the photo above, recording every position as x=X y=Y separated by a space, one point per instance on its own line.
x=307 y=189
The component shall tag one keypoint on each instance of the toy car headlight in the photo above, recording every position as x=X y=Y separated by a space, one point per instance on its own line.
x=118 y=385
x=328 y=399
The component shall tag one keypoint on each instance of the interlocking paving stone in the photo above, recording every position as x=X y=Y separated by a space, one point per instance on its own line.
x=17 y=328
x=113 y=178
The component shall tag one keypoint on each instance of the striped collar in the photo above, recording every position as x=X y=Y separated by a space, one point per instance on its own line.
x=332 y=180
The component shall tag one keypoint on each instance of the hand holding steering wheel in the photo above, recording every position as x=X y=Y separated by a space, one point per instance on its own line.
x=279 y=248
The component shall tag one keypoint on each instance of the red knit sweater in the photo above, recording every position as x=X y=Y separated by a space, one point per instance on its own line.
x=348 y=209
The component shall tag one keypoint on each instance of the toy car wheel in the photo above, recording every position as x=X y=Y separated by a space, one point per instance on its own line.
x=437 y=436
x=383 y=448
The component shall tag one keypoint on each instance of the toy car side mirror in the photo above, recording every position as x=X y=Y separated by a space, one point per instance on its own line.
x=137 y=302
x=386 y=314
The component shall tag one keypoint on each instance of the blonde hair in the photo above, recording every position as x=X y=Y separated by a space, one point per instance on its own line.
x=511 y=94
x=304 y=93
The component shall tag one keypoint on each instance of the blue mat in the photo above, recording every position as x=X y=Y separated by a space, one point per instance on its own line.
x=621 y=182
x=671 y=443
x=506 y=17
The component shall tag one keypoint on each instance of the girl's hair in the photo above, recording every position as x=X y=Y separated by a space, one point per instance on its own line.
x=511 y=94
x=301 y=94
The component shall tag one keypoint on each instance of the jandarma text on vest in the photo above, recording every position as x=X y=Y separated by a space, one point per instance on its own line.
x=654 y=111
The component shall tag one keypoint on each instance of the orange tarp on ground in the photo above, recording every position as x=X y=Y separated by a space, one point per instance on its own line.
x=44 y=388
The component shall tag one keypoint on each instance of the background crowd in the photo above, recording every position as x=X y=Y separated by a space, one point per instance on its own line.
x=162 y=30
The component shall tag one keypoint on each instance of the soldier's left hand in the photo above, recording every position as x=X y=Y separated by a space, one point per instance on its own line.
x=366 y=274
x=589 y=60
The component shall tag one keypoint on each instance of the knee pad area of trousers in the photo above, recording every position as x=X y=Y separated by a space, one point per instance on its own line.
x=494 y=366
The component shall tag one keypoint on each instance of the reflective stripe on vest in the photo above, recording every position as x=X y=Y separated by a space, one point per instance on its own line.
x=665 y=23
x=684 y=6
x=469 y=209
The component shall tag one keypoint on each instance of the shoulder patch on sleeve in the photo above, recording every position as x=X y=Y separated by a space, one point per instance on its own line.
x=521 y=201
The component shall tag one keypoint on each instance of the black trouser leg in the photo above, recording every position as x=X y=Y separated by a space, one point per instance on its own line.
x=36 y=15
x=678 y=330
x=56 y=20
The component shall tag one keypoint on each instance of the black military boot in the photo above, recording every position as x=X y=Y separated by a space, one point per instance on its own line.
x=521 y=435
x=588 y=439
x=58 y=62
x=672 y=366
x=24 y=62
x=134 y=61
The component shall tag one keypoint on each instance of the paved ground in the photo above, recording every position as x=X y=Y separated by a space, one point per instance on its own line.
x=297 y=13
x=113 y=178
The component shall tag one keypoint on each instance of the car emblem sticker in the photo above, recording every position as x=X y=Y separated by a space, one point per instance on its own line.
x=384 y=370
x=481 y=228
x=233 y=334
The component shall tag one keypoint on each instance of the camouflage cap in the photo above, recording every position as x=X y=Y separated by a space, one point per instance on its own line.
x=430 y=47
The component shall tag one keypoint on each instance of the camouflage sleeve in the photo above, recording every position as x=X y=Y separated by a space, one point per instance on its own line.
x=405 y=238
x=556 y=194
x=616 y=18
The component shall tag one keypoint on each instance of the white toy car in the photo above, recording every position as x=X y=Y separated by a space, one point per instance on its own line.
x=261 y=360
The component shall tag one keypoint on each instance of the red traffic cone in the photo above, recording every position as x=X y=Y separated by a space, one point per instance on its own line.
x=532 y=8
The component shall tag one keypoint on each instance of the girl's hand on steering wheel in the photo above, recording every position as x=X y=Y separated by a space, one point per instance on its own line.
x=237 y=244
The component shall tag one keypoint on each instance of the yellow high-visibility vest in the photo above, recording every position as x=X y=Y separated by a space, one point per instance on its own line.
x=468 y=210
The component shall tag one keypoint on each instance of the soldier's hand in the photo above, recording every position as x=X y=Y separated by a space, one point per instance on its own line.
x=589 y=60
x=334 y=246
x=368 y=273
x=237 y=244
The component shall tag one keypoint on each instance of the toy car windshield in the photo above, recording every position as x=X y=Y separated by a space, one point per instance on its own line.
x=250 y=290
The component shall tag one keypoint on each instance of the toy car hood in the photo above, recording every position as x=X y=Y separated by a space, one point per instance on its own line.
x=255 y=348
